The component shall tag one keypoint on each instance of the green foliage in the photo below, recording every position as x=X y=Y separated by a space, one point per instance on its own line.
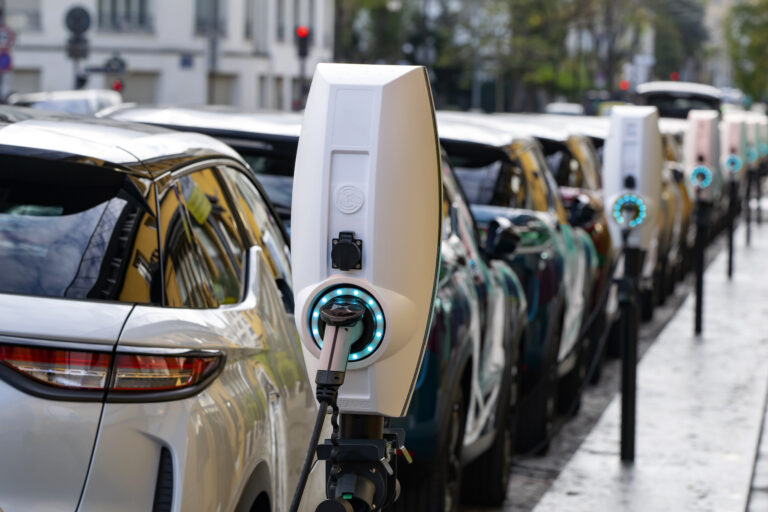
x=746 y=32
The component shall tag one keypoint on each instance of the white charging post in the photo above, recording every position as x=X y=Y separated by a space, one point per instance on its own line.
x=753 y=169
x=733 y=152
x=701 y=144
x=365 y=234
x=632 y=185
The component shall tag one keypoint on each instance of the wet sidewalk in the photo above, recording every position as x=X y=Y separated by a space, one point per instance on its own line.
x=700 y=407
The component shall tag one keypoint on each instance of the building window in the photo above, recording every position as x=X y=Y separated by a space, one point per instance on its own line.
x=280 y=27
x=210 y=15
x=126 y=15
x=23 y=15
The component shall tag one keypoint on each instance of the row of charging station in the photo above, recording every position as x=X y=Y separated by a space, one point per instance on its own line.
x=366 y=230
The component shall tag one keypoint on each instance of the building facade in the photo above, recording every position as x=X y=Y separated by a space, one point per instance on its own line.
x=234 y=52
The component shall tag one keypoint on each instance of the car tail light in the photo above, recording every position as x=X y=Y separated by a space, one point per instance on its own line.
x=160 y=373
x=59 y=368
x=83 y=375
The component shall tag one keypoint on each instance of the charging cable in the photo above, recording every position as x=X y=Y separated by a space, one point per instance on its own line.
x=343 y=326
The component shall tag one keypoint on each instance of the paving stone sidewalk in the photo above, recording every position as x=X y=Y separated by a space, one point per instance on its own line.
x=700 y=407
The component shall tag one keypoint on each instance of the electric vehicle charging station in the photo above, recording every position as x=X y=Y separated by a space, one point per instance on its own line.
x=366 y=226
x=753 y=172
x=702 y=157
x=632 y=187
x=733 y=152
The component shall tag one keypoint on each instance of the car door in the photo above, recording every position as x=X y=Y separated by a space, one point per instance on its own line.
x=577 y=277
x=230 y=439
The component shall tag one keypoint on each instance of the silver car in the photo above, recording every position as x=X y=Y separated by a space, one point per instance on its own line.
x=148 y=356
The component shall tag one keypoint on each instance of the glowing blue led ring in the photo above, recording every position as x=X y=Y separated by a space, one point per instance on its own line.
x=733 y=163
x=372 y=307
x=642 y=211
x=705 y=173
x=751 y=155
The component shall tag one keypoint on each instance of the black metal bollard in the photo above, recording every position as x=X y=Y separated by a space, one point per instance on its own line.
x=629 y=322
x=748 y=212
x=733 y=197
x=702 y=213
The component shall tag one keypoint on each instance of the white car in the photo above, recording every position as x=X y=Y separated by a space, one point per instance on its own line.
x=148 y=355
x=85 y=101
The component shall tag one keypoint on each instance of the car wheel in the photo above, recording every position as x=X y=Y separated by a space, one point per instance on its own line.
x=597 y=353
x=440 y=490
x=486 y=479
x=537 y=409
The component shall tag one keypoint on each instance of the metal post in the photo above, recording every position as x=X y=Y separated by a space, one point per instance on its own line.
x=748 y=212
x=302 y=83
x=3 y=76
x=633 y=259
x=733 y=196
x=213 y=48
x=702 y=209
x=759 y=192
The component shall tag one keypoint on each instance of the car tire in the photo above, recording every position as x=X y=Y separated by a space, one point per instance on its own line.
x=486 y=479
x=597 y=353
x=440 y=489
x=537 y=410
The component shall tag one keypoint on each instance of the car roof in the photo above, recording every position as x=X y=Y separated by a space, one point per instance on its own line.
x=478 y=129
x=137 y=148
x=113 y=96
x=211 y=118
x=672 y=125
x=679 y=88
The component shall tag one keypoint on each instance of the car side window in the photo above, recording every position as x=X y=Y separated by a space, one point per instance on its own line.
x=264 y=230
x=203 y=247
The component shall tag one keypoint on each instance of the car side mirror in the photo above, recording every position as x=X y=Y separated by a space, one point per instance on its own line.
x=583 y=212
x=502 y=240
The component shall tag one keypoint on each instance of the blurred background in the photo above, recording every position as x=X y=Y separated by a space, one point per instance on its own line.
x=491 y=55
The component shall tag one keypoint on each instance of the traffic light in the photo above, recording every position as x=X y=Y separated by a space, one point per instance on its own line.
x=117 y=85
x=302 y=41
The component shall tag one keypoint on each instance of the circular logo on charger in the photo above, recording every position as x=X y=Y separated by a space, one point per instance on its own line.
x=348 y=199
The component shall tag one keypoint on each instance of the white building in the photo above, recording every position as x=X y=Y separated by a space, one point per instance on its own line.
x=168 y=51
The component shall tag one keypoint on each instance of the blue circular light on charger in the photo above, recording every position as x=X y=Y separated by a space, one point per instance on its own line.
x=751 y=155
x=629 y=199
x=373 y=311
x=733 y=163
x=701 y=176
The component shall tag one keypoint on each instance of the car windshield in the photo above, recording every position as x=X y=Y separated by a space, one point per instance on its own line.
x=82 y=106
x=670 y=105
x=74 y=231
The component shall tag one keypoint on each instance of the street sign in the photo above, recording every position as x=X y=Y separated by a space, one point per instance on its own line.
x=6 y=62
x=77 y=47
x=115 y=65
x=7 y=38
x=78 y=20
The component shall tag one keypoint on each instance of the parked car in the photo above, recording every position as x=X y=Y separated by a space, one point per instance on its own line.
x=149 y=359
x=576 y=168
x=85 y=102
x=464 y=410
x=676 y=99
x=506 y=175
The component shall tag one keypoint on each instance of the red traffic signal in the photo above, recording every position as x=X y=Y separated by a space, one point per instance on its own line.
x=117 y=85
x=674 y=76
x=624 y=85
x=302 y=41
